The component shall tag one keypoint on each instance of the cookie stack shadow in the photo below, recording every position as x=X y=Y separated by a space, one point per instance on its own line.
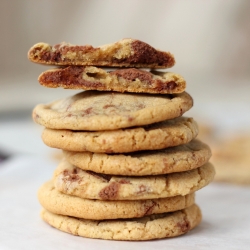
x=131 y=162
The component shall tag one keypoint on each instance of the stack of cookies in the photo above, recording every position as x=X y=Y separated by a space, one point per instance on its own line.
x=131 y=161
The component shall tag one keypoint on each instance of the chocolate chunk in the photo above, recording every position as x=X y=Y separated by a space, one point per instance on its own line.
x=149 y=208
x=72 y=177
x=142 y=189
x=184 y=226
x=168 y=86
x=87 y=111
x=110 y=192
x=109 y=106
x=124 y=181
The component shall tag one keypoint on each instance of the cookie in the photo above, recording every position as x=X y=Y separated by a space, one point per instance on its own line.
x=155 y=136
x=156 y=162
x=232 y=160
x=97 y=110
x=124 y=53
x=59 y=203
x=71 y=180
x=147 y=228
x=122 y=80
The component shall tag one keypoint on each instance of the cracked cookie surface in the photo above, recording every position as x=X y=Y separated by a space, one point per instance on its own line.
x=100 y=110
x=59 y=203
x=71 y=180
x=161 y=135
x=155 y=162
x=123 y=53
x=146 y=228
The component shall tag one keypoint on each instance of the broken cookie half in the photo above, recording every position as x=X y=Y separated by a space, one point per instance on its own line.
x=121 y=80
x=124 y=53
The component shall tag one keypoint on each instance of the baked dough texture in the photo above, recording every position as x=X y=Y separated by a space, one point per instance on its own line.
x=131 y=162
x=155 y=162
x=147 y=228
x=100 y=110
x=123 y=53
x=156 y=136
x=71 y=180
x=120 y=80
x=59 y=203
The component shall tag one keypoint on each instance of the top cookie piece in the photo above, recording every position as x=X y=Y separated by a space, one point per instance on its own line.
x=124 y=53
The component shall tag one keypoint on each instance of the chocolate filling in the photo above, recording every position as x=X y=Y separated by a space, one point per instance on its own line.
x=167 y=86
x=72 y=76
x=145 y=54
x=68 y=76
x=55 y=55
x=133 y=74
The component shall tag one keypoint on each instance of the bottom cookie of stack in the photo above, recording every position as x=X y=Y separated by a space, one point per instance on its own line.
x=119 y=220
x=150 y=227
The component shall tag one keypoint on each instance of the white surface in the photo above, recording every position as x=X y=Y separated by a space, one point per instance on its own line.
x=225 y=224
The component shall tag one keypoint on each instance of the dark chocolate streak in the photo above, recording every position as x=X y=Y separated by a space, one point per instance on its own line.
x=145 y=54
x=133 y=74
x=56 y=55
x=69 y=76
